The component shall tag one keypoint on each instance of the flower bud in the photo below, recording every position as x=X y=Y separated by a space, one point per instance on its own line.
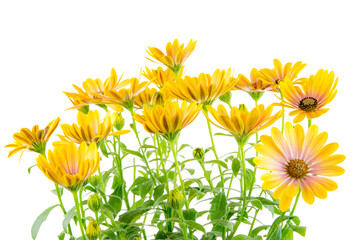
x=243 y=108
x=198 y=153
x=226 y=98
x=94 y=202
x=157 y=99
x=176 y=199
x=94 y=180
x=93 y=230
x=119 y=122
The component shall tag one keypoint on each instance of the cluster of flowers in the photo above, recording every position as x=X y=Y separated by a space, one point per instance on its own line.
x=297 y=161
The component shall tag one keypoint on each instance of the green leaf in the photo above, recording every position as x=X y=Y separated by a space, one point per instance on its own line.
x=257 y=203
x=103 y=149
x=148 y=146
x=195 y=225
x=132 y=152
x=288 y=234
x=235 y=166
x=110 y=234
x=299 y=229
x=256 y=231
x=190 y=170
x=145 y=188
x=223 y=134
x=242 y=237
x=218 y=206
x=158 y=191
x=190 y=214
x=29 y=169
x=131 y=215
x=183 y=146
x=221 y=163
x=223 y=223
x=61 y=236
x=40 y=220
x=69 y=215
x=277 y=234
x=114 y=200
x=296 y=220
x=251 y=161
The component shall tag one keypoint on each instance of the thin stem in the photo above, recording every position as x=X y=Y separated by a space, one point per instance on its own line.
x=81 y=206
x=295 y=204
x=207 y=176
x=182 y=223
x=256 y=154
x=118 y=161
x=102 y=184
x=272 y=231
x=253 y=222
x=62 y=205
x=232 y=175
x=76 y=200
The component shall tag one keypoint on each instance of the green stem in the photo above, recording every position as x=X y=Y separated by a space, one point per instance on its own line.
x=102 y=184
x=283 y=114
x=273 y=229
x=253 y=222
x=81 y=206
x=295 y=204
x=215 y=153
x=243 y=186
x=207 y=177
x=182 y=223
x=232 y=175
x=118 y=161
x=256 y=154
x=62 y=205
x=142 y=151
x=76 y=200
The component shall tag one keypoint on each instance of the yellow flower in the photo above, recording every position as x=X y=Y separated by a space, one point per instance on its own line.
x=125 y=96
x=176 y=54
x=151 y=97
x=90 y=128
x=170 y=119
x=70 y=166
x=93 y=230
x=255 y=87
x=276 y=75
x=34 y=140
x=241 y=123
x=298 y=159
x=94 y=91
x=160 y=77
x=203 y=89
x=310 y=99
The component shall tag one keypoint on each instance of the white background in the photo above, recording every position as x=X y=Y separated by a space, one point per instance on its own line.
x=46 y=46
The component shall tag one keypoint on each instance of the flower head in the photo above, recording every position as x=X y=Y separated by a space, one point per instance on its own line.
x=241 y=123
x=296 y=158
x=159 y=76
x=203 y=89
x=170 y=119
x=309 y=100
x=176 y=54
x=34 y=140
x=93 y=230
x=68 y=165
x=90 y=128
x=278 y=74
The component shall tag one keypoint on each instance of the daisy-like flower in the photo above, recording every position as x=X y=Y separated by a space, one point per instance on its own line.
x=203 y=89
x=309 y=100
x=125 y=96
x=276 y=75
x=170 y=119
x=176 y=54
x=151 y=97
x=90 y=128
x=298 y=159
x=94 y=90
x=70 y=166
x=33 y=140
x=241 y=123
x=255 y=87
x=159 y=76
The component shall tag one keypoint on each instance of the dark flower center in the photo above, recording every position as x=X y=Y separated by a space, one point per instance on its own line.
x=308 y=104
x=297 y=168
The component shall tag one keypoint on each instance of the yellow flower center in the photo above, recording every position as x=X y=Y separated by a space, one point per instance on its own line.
x=308 y=104
x=297 y=168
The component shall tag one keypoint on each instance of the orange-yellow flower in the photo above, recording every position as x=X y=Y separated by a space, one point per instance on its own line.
x=70 y=166
x=94 y=90
x=176 y=54
x=170 y=119
x=255 y=87
x=298 y=159
x=241 y=123
x=310 y=99
x=151 y=97
x=90 y=128
x=278 y=74
x=125 y=96
x=160 y=77
x=203 y=89
x=34 y=140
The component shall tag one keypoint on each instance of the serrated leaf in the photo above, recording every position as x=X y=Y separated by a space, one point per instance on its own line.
x=190 y=214
x=195 y=225
x=69 y=215
x=218 y=206
x=159 y=191
x=145 y=188
x=40 y=220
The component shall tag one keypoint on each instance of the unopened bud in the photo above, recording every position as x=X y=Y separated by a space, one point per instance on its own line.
x=226 y=98
x=176 y=199
x=93 y=230
x=119 y=121
x=243 y=108
x=94 y=202
x=198 y=153
x=94 y=180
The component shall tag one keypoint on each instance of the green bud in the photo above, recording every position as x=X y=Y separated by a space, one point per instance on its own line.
x=243 y=108
x=93 y=230
x=176 y=199
x=119 y=122
x=94 y=202
x=226 y=98
x=94 y=180
x=199 y=153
